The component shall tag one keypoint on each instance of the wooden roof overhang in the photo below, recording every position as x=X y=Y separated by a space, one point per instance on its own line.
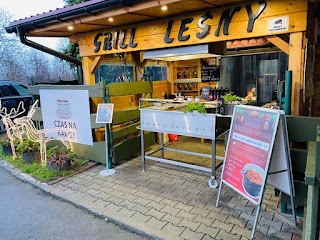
x=151 y=23
x=138 y=11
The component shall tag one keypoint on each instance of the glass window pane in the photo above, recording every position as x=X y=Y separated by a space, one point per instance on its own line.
x=7 y=91
x=155 y=73
x=21 y=89
x=114 y=73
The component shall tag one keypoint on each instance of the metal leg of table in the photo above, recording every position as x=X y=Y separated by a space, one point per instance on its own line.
x=212 y=181
x=142 y=151
x=162 y=145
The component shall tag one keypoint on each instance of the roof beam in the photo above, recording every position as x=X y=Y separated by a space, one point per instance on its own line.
x=279 y=43
x=95 y=64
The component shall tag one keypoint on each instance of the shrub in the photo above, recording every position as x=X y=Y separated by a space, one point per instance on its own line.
x=60 y=158
x=4 y=140
x=28 y=146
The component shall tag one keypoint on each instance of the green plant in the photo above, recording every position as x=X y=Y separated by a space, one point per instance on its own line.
x=34 y=169
x=229 y=97
x=27 y=146
x=4 y=140
x=58 y=157
x=192 y=106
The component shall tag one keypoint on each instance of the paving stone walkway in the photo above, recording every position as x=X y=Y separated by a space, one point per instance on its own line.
x=170 y=202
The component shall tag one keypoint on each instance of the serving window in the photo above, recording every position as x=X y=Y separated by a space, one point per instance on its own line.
x=261 y=71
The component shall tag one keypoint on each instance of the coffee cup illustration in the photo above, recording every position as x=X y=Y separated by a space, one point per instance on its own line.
x=63 y=108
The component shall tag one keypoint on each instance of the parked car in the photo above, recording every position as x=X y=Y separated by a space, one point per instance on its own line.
x=11 y=93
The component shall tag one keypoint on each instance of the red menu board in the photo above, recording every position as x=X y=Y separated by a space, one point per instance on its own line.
x=249 y=149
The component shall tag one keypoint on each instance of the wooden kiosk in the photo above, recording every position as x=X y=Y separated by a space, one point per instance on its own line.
x=122 y=33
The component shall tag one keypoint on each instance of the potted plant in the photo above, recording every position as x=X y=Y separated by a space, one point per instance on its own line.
x=229 y=101
x=29 y=150
x=6 y=146
x=60 y=158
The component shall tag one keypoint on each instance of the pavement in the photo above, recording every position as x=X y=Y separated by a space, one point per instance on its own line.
x=168 y=202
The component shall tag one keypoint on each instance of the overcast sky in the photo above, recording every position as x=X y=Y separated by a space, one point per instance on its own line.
x=25 y=8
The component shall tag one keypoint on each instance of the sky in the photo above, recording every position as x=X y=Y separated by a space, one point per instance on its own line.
x=25 y=8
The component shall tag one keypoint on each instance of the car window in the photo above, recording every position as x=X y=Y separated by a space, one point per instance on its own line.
x=22 y=90
x=8 y=91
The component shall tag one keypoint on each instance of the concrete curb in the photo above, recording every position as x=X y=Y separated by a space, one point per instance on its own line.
x=47 y=189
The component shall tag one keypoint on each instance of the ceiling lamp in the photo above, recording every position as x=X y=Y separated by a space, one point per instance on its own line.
x=70 y=28
x=186 y=53
x=164 y=8
x=110 y=19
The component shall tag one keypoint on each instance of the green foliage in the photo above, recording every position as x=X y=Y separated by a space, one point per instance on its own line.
x=27 y=146
x=39 y=172
x=251 y=102
x=73 y=51
x=192 y=106
x=34 y=169
x=229 y=97
x=4 y=140
x=73 y=2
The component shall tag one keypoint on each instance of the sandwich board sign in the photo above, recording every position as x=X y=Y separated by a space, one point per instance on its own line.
x=257 y=153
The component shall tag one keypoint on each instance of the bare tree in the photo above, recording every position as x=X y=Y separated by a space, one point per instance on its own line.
x=21 y=63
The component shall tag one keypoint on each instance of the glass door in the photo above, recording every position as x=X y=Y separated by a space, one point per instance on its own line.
x=267 y=80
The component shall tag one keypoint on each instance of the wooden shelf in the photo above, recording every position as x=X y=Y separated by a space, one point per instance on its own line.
x=187 y=90
x=187 y=80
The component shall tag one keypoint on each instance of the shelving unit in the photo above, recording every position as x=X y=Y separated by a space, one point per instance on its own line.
x=186 y=75
x=190 y=85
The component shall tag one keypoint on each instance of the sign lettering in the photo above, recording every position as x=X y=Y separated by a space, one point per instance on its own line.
x=111 y=40
x=118 y=38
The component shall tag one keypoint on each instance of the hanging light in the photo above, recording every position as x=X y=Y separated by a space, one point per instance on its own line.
x=164 y=8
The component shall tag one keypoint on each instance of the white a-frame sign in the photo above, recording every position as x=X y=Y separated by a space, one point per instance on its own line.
x=257 y=153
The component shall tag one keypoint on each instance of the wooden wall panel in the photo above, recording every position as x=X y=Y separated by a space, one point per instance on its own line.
x=160 y=88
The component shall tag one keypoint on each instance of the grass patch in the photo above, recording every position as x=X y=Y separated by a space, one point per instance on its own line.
x=39 y=172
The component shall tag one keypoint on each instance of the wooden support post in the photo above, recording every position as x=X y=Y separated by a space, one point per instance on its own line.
x=88 y=77
x=296 y=59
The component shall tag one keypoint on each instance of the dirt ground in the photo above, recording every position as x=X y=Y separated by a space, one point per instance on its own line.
x=193 y=145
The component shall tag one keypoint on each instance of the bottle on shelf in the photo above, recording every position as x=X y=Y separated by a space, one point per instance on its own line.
x=225 y=91
x=218 y=94
x=222 y=92
x=195 y=72
x=214 y=93
x=190 y=74
x=179 y=75
x=185 y=73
